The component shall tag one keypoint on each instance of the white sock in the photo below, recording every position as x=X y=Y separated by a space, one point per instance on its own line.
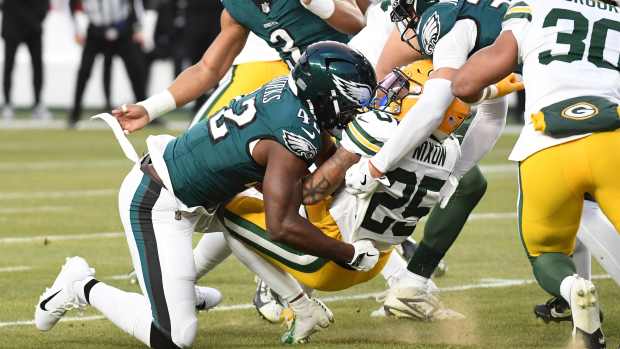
x=394 y=267
x=278 y=280
x=212 y=249
x=300 y=304
x=583 y=260
x=409 y=279
x=566 y=286
x=129 y=311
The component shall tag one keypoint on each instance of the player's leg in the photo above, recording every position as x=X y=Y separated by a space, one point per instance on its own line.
x=10 y=49
x=600 y=237
x=211 y=250
x=92 y=47
x=552 y=183
x=444 y=225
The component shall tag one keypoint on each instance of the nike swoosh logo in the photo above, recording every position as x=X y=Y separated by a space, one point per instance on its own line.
x=310 y=134
x=364 y=181
x=371 y=255
x=47 y=300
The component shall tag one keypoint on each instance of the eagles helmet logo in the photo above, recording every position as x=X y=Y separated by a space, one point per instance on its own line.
x=299 y=146
x=430 y=33
x=357 y=93
x=580 y=111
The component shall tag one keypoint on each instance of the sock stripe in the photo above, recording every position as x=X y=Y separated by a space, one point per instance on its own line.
x=89 y=285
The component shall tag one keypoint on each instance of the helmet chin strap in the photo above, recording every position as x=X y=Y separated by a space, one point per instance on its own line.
x=335 y=101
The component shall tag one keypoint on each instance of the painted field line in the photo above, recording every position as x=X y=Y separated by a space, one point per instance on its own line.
x=110 y=235
x=18 y=195
x=42 y=238
x=499 y=168
x=485 y=283
x=63 y=164
x=10 y=210
x=14 y=269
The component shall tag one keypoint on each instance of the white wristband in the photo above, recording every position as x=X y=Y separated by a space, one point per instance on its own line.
x=322 y=8
x=159 y=104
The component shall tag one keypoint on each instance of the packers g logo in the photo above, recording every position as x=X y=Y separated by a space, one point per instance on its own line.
x=580 y=111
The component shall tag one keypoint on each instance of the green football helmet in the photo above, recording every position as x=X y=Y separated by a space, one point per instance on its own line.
x=407 y=14
x=334 y=81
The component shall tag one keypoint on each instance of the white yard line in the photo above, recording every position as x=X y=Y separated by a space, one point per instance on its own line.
x=110 y=235
x=10 y=210
x=19 y=195
x=499 y=168
x=14 y=269
x=484 y=283
x=43 y=238
x=51 y=165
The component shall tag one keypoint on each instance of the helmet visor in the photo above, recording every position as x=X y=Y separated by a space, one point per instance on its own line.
x=391 y=91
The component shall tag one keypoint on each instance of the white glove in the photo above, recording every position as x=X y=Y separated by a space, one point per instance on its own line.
x=447 y=190
x=365 y=256
x=359 y=181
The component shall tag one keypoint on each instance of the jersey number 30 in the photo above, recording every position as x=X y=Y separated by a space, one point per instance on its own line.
x=576 y=39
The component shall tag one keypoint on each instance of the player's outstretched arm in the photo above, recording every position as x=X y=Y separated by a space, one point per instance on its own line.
x=193 y=81
x=328 y=177
x=486 y=67
x=343 y=15
x=283 y=195
x=396 y=53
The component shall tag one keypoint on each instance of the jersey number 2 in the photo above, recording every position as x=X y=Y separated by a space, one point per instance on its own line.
x=217 y=126
x=289 y=44
x=576 y=39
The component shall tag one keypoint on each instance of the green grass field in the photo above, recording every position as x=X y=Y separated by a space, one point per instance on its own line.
x=62 y=184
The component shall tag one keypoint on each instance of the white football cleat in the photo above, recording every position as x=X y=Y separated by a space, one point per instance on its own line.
x=60 y=297
x=207 y=297
x=586 y=315
x=416 y=303
x=313 y=318
x=268 y=304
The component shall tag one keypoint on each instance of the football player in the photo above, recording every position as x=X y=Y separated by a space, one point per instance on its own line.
x=269 y=136
x=448 y=32
x=387 y=217
x=572 y=78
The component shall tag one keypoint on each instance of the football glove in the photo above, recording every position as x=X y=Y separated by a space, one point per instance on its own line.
x=511 y=83
x=365 y=256
x=447 y=190
x=359 y=181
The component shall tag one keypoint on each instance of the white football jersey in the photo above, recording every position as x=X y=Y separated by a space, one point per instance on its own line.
x=393 y=212
x=371 y=39
x=569 y=48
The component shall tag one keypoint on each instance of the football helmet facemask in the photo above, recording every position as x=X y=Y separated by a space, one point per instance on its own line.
x=407 y=13
x=334 y=81
x=400 y=90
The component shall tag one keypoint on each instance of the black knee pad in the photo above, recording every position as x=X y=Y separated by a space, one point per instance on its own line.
x=161 y=340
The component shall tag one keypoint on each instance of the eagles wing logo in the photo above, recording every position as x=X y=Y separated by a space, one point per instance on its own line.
x=580 y=111
x=355 y=92
x=299 y=146
x=430 y=33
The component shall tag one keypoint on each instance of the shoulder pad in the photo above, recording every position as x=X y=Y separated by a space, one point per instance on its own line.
x=366 y=134
x=436 y=22
x=301 y=136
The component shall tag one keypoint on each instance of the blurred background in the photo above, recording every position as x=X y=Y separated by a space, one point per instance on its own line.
x=95 y=54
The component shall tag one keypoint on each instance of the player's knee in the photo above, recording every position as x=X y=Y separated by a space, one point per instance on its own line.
x=183 y=335
x=473 y=185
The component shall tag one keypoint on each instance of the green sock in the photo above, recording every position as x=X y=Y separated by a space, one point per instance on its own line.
x=444 y=225
x=550 y=269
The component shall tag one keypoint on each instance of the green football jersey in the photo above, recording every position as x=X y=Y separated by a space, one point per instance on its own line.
x=439 y=19
x=284 y=24
x=211 y=162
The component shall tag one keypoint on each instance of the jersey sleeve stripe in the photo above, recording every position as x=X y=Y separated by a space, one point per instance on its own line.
x=518 y=15
x=519 y=10
x=365 y=134
x=358 y=139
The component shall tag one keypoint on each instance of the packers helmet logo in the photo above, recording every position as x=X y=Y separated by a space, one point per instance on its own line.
x=430 y=33
x=580 y=111
x=355 y=92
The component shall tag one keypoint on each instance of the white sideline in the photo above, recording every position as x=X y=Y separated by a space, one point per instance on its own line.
x=48 y=165
x=484 y=283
